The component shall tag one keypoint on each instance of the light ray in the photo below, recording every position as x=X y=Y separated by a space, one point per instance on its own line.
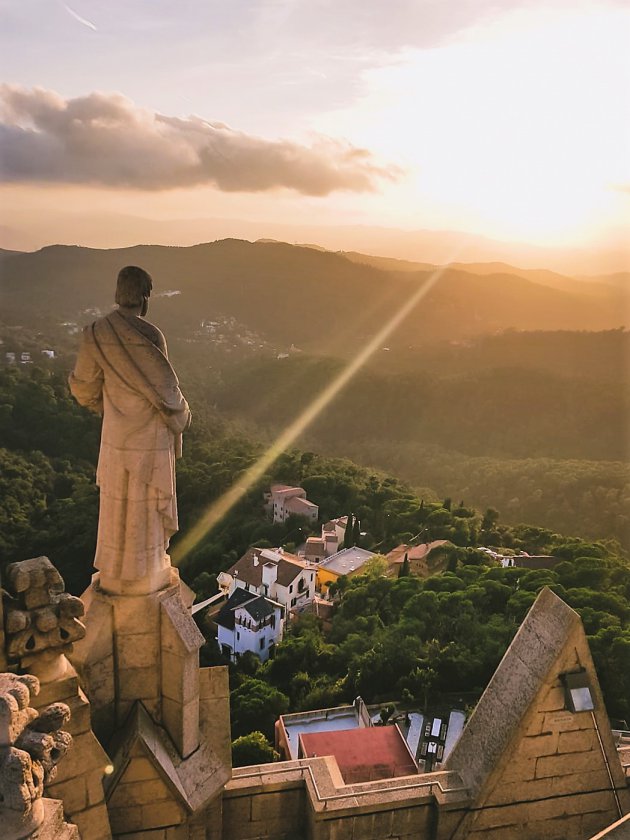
x=219 y=508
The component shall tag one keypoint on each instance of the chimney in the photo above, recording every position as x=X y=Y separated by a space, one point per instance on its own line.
x=269 y=575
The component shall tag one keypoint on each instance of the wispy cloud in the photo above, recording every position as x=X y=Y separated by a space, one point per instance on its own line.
x=78 y=17
x=106 y=139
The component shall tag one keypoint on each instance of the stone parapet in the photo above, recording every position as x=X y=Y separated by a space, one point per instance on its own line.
x=307 y=798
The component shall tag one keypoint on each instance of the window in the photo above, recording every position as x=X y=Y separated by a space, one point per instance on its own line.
x=262 y=643
x=238 y=636
x=291 y=588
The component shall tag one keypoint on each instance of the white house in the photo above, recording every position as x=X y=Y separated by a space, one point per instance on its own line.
x=249 y=622
x=276 y=574
x=285 y=501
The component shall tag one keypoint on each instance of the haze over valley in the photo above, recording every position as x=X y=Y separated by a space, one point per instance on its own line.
x=504 y=386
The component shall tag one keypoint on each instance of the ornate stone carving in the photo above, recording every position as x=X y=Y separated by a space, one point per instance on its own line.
x=40 y=619
x=31 y=745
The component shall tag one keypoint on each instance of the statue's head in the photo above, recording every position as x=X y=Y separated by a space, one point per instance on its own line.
x=133 y=288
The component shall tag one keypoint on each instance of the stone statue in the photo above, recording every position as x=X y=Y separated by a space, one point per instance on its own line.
x=123 y=373
x=31 y=744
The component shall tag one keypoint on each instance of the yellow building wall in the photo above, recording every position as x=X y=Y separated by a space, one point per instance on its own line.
x=324 y=579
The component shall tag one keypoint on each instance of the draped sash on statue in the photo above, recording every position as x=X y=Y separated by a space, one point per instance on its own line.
x=144 y=415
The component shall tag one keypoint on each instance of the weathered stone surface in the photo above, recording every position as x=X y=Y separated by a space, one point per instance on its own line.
x=41 y=620
x=30 y=748
x=619 y=830
x=551 y=768
x=122 y=372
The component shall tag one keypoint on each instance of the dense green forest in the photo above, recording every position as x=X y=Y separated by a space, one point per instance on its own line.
x=418 y=641
x=546 y=443
x=436 y=642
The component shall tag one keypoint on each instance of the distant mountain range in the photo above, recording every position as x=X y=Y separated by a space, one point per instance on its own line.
x=107 y=229
x=320 y=301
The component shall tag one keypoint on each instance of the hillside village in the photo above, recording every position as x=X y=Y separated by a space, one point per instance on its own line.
x=268 y=591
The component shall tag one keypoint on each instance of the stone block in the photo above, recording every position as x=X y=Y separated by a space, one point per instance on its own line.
x=94 y=784
x=275 y=806
x=156 y=834
x=565 y=721
x=536 y=724
x=136 y=615
x=138 y=650
x=161 y=815
x=124 y=820
x=54 y=827
x=214 y=682
x=520 y=769
x=580 y=782
x=73 y=793
x=500 y=818
x=561 y=828
x=595 y=822
x=382 y=825
x=57 y=691
x=504 y=793
x=93 y=823
x=182 y=724
x=561 y=765
x=180 y=677
x=140 y=769
x=405 y=820
x=594 y=801
x=182 y=832
x=538 y=745
x=178 y=631
x=138 y=683
x=552 y=701
x=580 y=740
x=99 y=677
x=99 y=626
x=140 y=793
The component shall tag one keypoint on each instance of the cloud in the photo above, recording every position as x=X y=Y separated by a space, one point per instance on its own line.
x=106 y=139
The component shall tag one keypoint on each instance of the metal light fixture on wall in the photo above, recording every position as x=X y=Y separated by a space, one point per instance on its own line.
x=577 y=691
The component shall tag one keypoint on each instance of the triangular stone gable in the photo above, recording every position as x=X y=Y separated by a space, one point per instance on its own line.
x=141 y=800
x=534 y=769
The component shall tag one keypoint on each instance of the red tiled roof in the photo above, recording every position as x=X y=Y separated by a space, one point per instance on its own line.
x=363 y=755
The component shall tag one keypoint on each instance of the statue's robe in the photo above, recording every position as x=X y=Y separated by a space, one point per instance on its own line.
x=123 y=372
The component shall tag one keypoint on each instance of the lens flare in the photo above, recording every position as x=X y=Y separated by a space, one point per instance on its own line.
x=219 y=508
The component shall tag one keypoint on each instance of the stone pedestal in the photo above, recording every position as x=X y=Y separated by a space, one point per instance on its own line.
x=79 y=779
x=163 y=720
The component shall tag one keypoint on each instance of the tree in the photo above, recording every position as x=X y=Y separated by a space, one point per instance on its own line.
x=348 y=533
x=255 y=706
x=356 y=532
x=490 y=519
x=404 y=567
x=253 y=748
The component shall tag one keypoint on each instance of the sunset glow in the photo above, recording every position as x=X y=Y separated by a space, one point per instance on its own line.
x=513 y=124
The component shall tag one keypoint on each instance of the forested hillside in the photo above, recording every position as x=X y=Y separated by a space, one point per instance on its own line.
x=403 y=637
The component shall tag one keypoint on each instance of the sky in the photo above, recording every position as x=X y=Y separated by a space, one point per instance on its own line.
x=146 y=120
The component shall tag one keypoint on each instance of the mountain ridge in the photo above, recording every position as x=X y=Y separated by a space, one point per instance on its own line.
x=290 y=295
